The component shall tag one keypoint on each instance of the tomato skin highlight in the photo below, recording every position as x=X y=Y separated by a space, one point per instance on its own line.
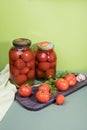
x=25 y=90
x=14 y=55
x=27 y=56
x=41 y=56
x=71 y=79
x=52 y=57
x=62 y=84
x=60 y=99
x=42 y=96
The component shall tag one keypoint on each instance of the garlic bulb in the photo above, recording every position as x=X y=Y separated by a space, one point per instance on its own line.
x=80 y=77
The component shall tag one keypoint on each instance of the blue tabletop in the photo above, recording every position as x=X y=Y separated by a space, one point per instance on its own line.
x=72 y=115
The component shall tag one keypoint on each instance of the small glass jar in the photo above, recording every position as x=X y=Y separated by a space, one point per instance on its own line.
x=21 y=62
x=45 y=60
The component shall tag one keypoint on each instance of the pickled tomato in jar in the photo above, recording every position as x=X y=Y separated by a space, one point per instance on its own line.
x=21 y=62
x=45 y=60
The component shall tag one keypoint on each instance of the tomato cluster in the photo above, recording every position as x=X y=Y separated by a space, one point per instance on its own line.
x=45 y=63
x=22 y=64
x=64 y=83
x=43 y=93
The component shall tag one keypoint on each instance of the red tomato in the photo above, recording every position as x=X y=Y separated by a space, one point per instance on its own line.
x=14 y=55
x=44 y=66
x=20 y=64
x=50 y=72
x=25 y=70
x=53 y=64
x=20 y=79
x=27 y=56
x=14 y=71
x=39 y=73
x=60 y=99
x=31 y=64
x=52 y=57
x=25 y=90
x=62 y=84
x=44 y=87
x=31 y=74
x=71 y=79
x=42 y=96
x=41 y=56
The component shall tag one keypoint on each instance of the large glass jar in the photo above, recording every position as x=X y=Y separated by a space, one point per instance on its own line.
x=21 y=62
x=45 y=60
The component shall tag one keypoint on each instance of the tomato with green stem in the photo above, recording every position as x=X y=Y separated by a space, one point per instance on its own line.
x=62 y=84
x=44 y=87
x=71 y=79
x=42 y=96
x=25 y=90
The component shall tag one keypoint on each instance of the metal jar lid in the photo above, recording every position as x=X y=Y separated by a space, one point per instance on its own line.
x=21 y=42
x=45 y=45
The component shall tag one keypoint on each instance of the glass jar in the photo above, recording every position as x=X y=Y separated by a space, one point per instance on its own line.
x=45 y=60
x=21 y=62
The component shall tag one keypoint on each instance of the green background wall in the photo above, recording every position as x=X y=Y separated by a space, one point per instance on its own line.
x=63 y=22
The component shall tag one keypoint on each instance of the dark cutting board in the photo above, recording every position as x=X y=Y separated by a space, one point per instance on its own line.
x=31 y=103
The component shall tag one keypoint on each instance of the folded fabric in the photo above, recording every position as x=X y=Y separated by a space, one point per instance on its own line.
x=7 y=92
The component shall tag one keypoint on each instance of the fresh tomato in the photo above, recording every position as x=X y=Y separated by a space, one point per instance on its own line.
x=60 y=99
x=44 y=87
x=27 y=56
x=25 y=90
x=71 y=78
x=20 y=79
x=44 y=66
x=41 y=56
x=62 y=84
x=42 y=96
